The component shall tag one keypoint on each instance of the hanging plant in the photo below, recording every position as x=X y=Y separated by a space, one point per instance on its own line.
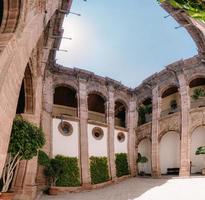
x=197 y=93
x=194 y=8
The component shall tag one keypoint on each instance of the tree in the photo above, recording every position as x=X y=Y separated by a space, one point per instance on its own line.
x=26 y=139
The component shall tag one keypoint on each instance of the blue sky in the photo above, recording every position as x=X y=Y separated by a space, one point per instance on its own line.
x=127 y=40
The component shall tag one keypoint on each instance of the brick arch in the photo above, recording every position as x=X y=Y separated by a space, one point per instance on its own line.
x=140 y=139
x=122 y=101
x=69 y=87
x=99 y=93
x=11 y=15
x=164 y=89
x=163 y=133
x=194 y=127
x=195 y=76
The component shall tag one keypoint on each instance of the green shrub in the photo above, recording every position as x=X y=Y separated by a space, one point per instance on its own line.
x=99 y=170
x=61 y=171
x=70 y=176
x=121 y=164
x=43 y=159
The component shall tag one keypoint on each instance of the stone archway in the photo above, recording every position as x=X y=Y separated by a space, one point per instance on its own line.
x=26 y=99
x=145 y=148
x=169 y=151
x=197 y=140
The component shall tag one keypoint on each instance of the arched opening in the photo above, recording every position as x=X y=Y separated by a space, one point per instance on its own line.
x=25 y=100
x=1 y=10
x=120 y=114
x=21 y=100
x=197 y=92
x=144 y=149
x=96 y=108
x=170 y=153
x=145 y=112
x=197 y=140
x=170 y=101
x=65 y=101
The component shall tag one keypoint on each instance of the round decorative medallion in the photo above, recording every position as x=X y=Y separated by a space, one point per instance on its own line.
x=65 y=128
x=121 y=137
x=97 y=133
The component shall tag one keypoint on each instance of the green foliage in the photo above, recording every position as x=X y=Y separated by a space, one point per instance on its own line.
x=141 y=159
x=121 y=164
x=194 y=8
x=143 y=110
x=43 y=158
x=198 y=92
x=200 y=150
x=99 y=169
x=61 y=171
x=70 y=176
x=26 y=139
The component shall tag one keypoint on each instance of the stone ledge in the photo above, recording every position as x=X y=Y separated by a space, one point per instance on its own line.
x=87 y=187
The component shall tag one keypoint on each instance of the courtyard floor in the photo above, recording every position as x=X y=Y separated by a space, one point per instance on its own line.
x=143 y=189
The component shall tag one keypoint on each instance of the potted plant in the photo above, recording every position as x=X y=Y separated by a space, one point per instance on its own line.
x=173 y=106
x=53 y=169
x=142 y=160
x=201 y=151
x=25 y=141
x=197 y=93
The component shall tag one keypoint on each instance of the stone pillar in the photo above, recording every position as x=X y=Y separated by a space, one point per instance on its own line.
x=111 y=132
x=83 y=115
x=185 y=139
x=132 y=121
x=28 y=169
x=156 y=172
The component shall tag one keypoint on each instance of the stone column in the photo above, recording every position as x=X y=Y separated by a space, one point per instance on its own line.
x=27 y=170
x=111 y=132
x=156 y=172
x=185 y=139
x=132 y=121
x=83 y=115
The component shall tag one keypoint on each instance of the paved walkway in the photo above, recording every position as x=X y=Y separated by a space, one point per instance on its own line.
x=143 y=189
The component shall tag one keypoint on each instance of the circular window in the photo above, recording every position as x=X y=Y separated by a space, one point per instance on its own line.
x=97 y=133
x=121 y=137
x=65 y=128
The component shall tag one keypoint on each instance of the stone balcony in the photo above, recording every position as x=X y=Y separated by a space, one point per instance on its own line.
x=59 y=110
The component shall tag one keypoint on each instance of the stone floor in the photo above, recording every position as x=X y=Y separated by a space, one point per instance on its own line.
x=144 y=189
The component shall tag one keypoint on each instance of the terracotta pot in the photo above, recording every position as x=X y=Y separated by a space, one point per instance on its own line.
x=53 y=191
x=6 y=196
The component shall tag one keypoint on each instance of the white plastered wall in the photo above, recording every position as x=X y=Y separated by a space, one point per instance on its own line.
x=144 y=148
x=169 y=151
x=96 y=147
x=65 y=145
x=120 y=147
x=197 y=140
